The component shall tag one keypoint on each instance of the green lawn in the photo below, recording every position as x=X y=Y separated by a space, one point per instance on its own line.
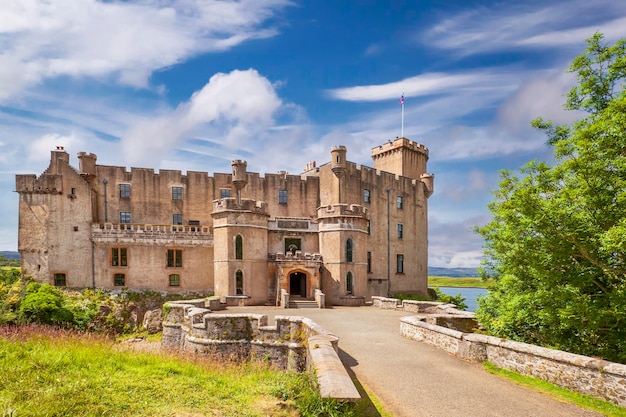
x=60 y=374
x=466 y=282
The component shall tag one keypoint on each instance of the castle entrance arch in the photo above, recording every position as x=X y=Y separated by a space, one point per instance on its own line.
x=297 y=284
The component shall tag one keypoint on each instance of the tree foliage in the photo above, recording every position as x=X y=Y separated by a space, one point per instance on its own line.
x=557 y=242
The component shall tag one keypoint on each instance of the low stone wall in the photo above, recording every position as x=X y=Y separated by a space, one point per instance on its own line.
x=438 y=313
x=596 y=377
x=351 y=301
x=294 y=343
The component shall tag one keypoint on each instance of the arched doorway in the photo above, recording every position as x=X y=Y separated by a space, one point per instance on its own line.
x=297 y=284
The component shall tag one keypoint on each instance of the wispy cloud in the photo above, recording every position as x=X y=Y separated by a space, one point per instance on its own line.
x=121 y=41
x=506 y=26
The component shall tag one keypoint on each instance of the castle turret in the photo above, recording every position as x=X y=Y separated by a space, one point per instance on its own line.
x=338 y=161
x=240 y=176
x=87 y=166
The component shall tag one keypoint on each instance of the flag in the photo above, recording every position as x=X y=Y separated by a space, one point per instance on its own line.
x=402 y=99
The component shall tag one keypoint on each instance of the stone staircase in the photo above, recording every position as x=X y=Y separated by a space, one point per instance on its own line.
x=297 y=302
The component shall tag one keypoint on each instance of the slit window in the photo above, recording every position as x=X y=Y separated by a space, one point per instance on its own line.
x=349 y=283
x=238 y=247
x=239 y=282
x=349 y=250
x=400 y=263
x=400 y=230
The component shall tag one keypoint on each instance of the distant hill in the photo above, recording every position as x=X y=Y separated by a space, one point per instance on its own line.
x=10 y=254
x=452 y=272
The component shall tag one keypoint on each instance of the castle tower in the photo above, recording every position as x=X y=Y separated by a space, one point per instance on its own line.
x=240 y=249
x=401 y=157
x=87 y=166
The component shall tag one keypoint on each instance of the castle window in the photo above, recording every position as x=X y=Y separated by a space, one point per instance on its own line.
x=369 y=227
x=239 y=282
x=119 y=257
x=400 y=230
x=124 y=216
x=177 y=218
x=366 y=196
x=349 y=283
x=174 y=280
x=174 y=258
x=369 y=261
x=73 y=191
x=124 y=190
x=177 y=193
x=119 y=280
x=282 y=196
x=238 y=247
x=60 y=280
x=399 y=202
x=400 y=263
x=225 y=193
x=292 y=245
x=349 y=250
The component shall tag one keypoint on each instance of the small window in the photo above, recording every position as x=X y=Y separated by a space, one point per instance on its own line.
x=119 y=280
x=369 y=227
x=177 y=219
x=349 y=283
x=238 y=247
x=119 y=257
x=60 y=280
x=177 y=193
x=369 y=261
x=399 y=202
x=73 y=191
x=174 y=258
x=349 y=250
x=400 y=264
x=282 y=196
x=174 y=280
x=124 y=190
x=239 y=282
x=194 y=222
x=124 y=216
x=366 y=196
x=400 y=230
x=225 y=193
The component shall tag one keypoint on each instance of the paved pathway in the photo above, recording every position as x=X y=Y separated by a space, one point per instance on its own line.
x=413 y=379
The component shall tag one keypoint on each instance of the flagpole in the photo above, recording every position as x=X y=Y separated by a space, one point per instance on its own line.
x=402 y=103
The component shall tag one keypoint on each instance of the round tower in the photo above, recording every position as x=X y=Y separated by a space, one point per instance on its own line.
x=240 y=175
x=338 y=161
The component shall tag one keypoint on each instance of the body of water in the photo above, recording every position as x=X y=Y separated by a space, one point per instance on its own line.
x=470 y=294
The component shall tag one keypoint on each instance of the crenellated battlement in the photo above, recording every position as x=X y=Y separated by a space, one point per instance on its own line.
x=342 y=210
x=398 y=144
x=45 y=184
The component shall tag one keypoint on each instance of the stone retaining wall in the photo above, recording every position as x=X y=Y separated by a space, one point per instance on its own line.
x=294 y=343
x=596 y=377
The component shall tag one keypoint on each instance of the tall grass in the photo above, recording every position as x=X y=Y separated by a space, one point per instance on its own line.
x=466 y=282
x=53 y=372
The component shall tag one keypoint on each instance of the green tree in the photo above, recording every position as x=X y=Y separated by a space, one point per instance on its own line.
x=557 y=242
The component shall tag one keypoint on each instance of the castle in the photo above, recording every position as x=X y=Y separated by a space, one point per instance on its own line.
x=339 y=229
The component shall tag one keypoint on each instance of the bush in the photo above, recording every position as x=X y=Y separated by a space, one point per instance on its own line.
x=45 y=304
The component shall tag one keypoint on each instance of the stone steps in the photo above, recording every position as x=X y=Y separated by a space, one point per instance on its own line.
x=302 y=303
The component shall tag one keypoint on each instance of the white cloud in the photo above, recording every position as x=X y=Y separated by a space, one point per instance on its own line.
x=238 y=106
x=126 y=40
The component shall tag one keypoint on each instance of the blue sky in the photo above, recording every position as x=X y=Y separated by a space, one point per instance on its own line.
x=193 y=84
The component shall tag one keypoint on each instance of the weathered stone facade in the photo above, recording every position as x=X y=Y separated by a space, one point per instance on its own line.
x=341 y=229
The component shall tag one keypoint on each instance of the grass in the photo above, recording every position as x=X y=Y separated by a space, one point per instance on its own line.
x=583 y=401
x=46 y=372
x=466 y=282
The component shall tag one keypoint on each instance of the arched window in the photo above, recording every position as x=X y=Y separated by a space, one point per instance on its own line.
x=239 y=282
x=349 y=250
x=238 y=247
x=349 y=283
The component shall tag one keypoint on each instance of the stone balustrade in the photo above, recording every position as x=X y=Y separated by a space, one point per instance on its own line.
x=151 y=233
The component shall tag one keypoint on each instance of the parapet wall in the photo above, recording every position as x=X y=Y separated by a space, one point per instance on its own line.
x=591 y=376
x=294 y=343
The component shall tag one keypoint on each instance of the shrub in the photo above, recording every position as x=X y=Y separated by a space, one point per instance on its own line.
x=45 y=304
